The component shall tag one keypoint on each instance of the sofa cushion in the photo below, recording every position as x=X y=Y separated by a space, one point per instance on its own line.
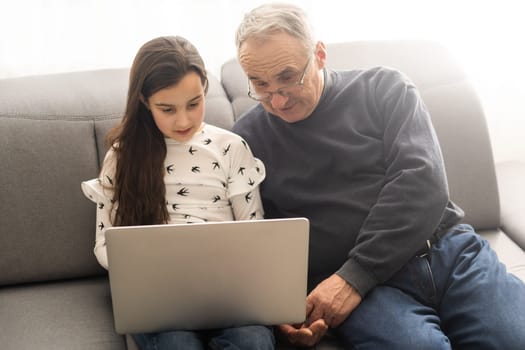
x=91 y=94
x=47 y=224
x=63 y=315
x=463 y=134
x=511 y=182
x=236 y=86
x=47 y=147
x=218 y=108
x=508 y=252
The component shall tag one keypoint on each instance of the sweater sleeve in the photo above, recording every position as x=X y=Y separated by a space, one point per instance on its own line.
x=248 y=206
x=245 y=171
x=99 y=191
x=93 y=190
x=245 y=175
x=414 y=196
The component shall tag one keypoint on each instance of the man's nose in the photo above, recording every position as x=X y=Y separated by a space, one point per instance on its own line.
x=278 y=101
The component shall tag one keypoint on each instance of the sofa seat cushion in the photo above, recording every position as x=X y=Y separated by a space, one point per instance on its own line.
x=69 y=315
x=508 y=251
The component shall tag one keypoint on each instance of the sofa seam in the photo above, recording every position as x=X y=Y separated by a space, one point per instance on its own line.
x=61 y=117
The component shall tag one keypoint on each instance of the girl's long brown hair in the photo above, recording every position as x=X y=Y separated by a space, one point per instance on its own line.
x=138 y=184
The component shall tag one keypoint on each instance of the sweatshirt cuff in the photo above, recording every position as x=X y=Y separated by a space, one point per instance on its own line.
x=358 y=277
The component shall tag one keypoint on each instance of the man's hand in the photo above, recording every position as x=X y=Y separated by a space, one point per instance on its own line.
x=332 y=301
x=302 y=335
x=328 y=305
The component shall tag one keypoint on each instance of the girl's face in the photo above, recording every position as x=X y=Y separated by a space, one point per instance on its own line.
x=178 y=110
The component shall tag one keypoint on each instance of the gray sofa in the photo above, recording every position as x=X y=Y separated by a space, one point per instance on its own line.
x=53 y=294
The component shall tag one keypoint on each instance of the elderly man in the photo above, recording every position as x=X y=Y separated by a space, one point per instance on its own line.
x=391 y=267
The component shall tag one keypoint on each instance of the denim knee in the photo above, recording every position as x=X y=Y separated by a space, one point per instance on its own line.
x=245 y=337
x=171 y=340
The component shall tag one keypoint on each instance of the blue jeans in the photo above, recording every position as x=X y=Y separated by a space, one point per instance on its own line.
x=246 y=337
x=459 y=296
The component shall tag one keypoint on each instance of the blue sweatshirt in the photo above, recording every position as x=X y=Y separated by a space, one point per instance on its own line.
x=365 y=168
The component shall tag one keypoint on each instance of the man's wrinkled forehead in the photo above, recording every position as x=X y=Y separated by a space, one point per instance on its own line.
x=270 y=59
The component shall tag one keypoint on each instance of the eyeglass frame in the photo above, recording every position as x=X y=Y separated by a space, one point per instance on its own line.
x=279 y=91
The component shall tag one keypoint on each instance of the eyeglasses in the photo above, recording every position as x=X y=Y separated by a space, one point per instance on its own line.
x=284 y=91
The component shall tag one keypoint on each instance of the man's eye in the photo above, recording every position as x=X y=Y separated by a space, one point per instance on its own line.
x=260 y=84
x=286 y=79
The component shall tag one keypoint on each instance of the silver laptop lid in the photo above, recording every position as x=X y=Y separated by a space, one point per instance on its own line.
x=210 y=275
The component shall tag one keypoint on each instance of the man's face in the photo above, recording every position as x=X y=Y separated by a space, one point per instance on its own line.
x=275 y=69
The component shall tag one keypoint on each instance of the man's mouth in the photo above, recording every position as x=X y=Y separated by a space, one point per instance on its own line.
x=287 y=108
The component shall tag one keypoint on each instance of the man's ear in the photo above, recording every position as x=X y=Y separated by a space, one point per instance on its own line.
x=320 y=54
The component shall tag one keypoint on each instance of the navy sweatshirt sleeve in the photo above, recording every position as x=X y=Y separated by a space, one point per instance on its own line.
x=414 y=197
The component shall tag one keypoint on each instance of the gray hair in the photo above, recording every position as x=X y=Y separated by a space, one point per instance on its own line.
x=268 y=19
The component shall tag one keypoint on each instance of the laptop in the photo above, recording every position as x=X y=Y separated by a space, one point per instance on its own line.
x=208 y=275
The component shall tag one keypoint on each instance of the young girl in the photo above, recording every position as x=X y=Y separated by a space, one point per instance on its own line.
x=165 y=165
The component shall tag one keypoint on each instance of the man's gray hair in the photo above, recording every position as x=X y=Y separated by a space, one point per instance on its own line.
x=268 y=19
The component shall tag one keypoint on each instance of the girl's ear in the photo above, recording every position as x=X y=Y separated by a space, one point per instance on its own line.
x=143 y=100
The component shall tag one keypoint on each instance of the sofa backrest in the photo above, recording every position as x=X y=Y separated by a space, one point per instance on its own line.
x=52 y=131
x=456 y=113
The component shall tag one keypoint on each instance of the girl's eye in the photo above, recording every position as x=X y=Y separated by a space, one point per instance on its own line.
x=194 y=104
x=167 y=110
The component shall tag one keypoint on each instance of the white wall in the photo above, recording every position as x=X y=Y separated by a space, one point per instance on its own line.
x=47 y=36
